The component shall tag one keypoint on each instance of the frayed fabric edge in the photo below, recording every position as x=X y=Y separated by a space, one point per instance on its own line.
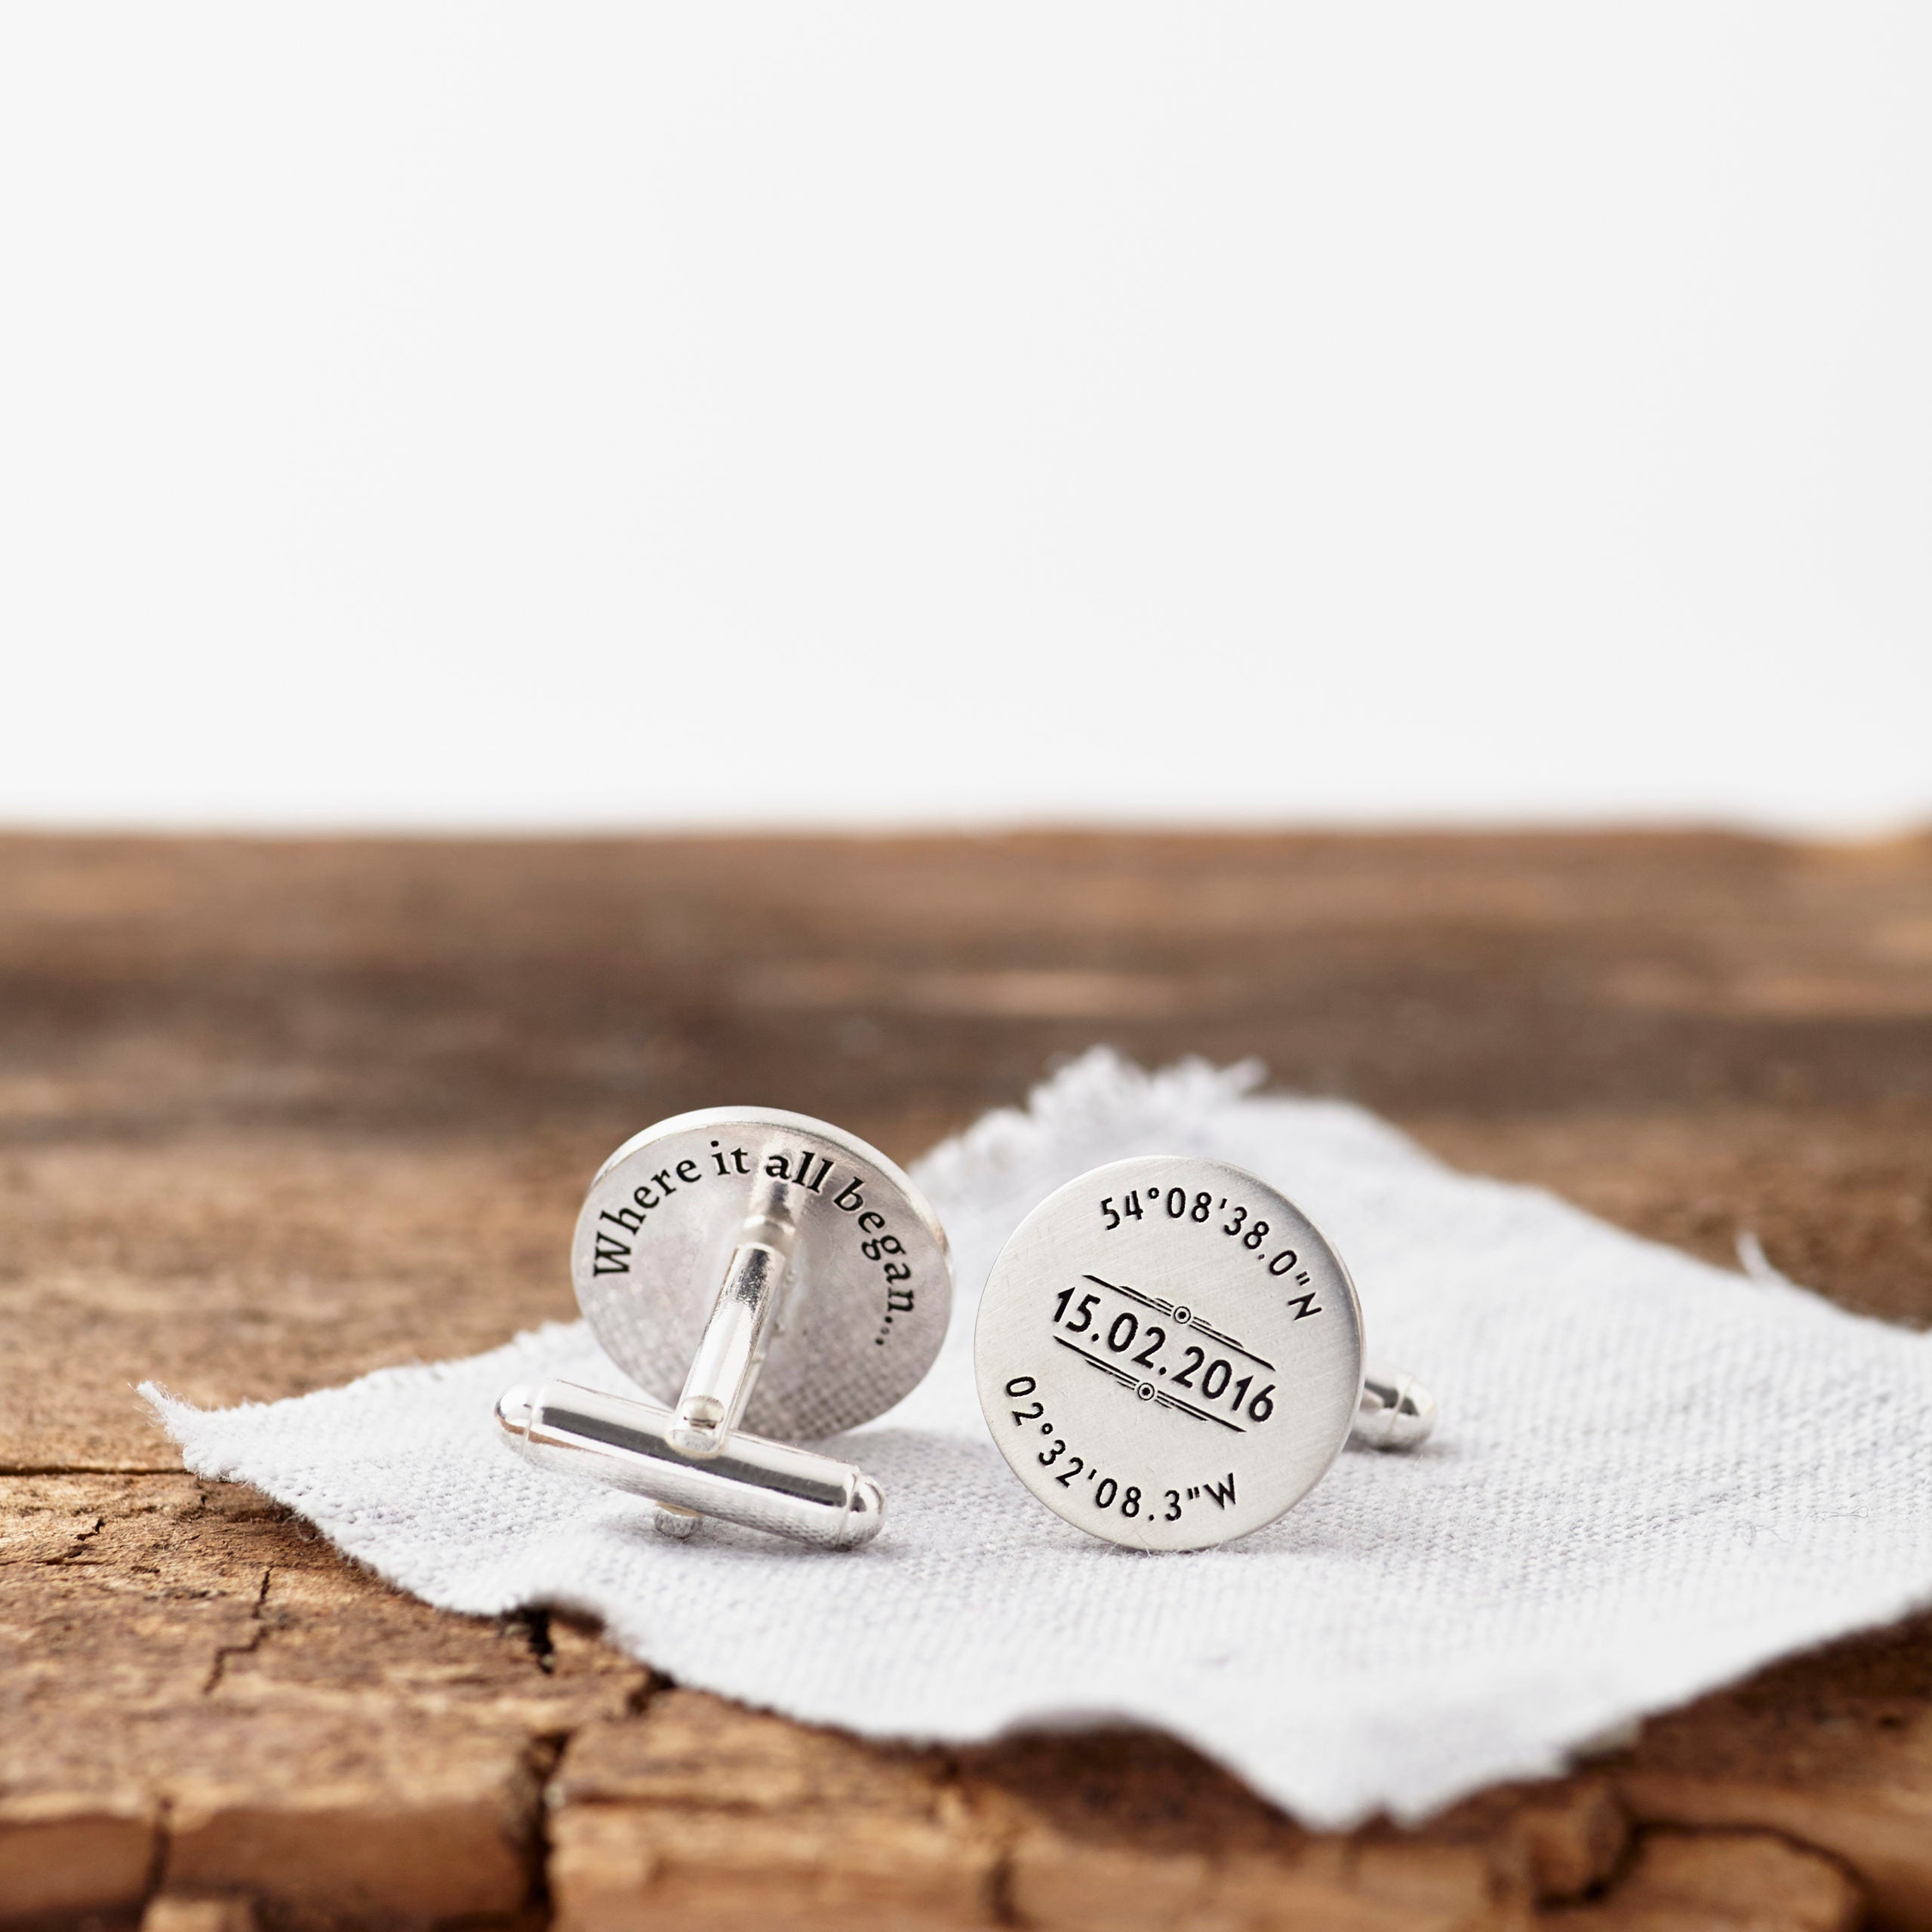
x=1090 y=1094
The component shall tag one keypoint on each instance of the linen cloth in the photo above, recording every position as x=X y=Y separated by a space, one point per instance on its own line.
x=1649 y=1476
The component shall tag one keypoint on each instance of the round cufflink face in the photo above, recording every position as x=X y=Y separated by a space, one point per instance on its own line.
x=1169 y=1354
x=867 y=1288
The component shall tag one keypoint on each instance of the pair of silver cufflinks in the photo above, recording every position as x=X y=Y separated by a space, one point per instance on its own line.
x=1169 y=1354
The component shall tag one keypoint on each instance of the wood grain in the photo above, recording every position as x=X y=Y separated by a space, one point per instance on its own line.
x=275 y=1113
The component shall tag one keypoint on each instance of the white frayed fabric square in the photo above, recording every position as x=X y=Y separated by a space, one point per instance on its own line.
x=1649 y=1476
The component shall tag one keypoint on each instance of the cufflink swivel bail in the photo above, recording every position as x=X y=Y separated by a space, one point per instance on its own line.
x=1169 y=1355
x=1395 y=1412
x=764 y=1277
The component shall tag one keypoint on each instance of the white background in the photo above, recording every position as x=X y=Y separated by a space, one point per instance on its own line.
x=719 y=414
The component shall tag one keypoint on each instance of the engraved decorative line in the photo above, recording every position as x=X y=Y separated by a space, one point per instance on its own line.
x=1133 y=1294
x=1162 y=1401
x=1193 y=1321
x=1120 y=1375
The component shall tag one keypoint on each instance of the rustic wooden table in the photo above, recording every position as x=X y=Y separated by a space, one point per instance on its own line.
x=272 y=1114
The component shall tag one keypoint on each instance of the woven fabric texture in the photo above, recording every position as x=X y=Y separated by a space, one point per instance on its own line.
x=1650 y=1475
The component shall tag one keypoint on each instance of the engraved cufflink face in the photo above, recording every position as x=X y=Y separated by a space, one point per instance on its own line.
x=1169 y=1354
x=867 y=1283
x=764 y=1277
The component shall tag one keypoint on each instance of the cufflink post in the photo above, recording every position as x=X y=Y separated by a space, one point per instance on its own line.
x=732 y=1350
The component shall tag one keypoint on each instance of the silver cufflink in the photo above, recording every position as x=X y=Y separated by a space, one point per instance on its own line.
x=1169 y=1355
x=766 y=1278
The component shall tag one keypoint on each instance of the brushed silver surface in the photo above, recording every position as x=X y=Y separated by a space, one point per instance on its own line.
x=1168 y=1352
x=866 y=1294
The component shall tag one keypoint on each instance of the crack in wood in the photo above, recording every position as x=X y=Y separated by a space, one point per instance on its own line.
x=218 y=1669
